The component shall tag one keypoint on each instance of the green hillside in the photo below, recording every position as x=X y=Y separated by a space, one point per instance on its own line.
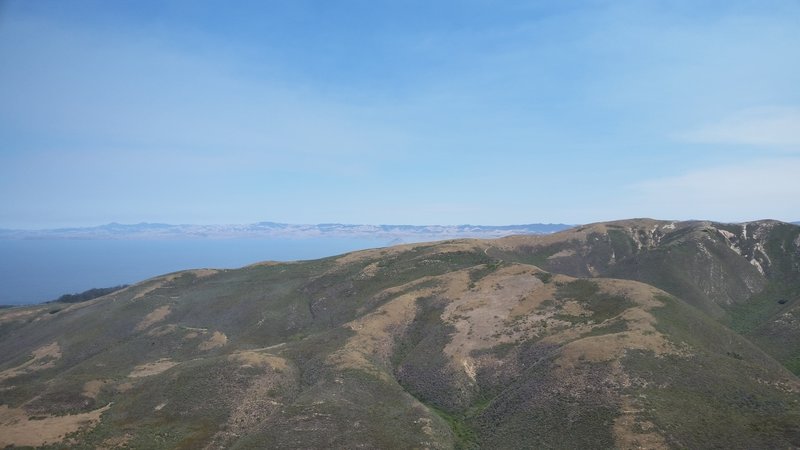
x=521 y=342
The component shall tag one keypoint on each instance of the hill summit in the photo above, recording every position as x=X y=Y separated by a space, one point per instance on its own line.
x=627 y=334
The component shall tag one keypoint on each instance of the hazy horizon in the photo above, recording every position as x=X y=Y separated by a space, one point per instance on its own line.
x=397 y=112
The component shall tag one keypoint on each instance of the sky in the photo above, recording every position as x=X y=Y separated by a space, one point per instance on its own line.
x=398 y=112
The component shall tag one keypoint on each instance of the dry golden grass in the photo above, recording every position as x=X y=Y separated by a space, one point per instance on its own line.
x=92 y=388
x=149 y=286
x=43 y=358
x=374 y=338
x=216 y=340
x=255 y=358
x=383 y=253
x=641 y=333
x=162 y=330
x=480 y=314
x=579 y=233
x=12 y=314
x=152 y=368
x=155 y=316
x=18 y=429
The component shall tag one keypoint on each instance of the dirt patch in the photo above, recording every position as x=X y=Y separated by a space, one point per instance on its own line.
x=43 y=358
x=151 y=285
x=610 y=347
x=124 y=387
x=562 y=254
x=13 y=314
x=252 y=358
x=153 y=368
x=494 y=310
x=383 y=253
x=17 y=428
x=162 y=330
x=154 y=284
x=216 y=340
x=157 y=315
x=202 y=273
x=266 y=264
x=369 y=271
x=92 y=388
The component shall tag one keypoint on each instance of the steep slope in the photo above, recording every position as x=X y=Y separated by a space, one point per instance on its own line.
x=436 y=346
x=745 y=275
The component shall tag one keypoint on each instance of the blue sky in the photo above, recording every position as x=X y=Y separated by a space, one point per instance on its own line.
x=477 y=111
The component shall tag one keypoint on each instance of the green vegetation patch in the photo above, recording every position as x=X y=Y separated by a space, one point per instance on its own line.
x=579 y=290
x=544 y=277
x=586 y=292
x=622 y=243
x=464 y=436
x=713 y=401
x=420 y=364
x=542 y=410
x=484 y=270
x=89 y=294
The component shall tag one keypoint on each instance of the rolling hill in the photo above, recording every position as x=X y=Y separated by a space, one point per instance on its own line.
x=626 y=334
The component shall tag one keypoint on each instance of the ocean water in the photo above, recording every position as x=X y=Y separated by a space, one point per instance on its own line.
x=33 y=271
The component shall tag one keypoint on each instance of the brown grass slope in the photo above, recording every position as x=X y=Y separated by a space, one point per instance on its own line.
x=444 y=345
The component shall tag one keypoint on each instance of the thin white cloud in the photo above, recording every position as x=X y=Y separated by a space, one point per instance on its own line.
x=768 y=188
x=124 y=90
x=777 y=127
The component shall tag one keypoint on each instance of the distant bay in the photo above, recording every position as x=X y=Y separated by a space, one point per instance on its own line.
x=38 y=270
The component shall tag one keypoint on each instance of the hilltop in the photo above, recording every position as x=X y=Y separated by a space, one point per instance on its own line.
x=627 y=334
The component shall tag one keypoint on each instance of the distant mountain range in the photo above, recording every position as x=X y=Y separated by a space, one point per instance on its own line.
x=398 y=233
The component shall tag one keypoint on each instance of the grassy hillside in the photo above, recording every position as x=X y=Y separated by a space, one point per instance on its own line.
x=458 y=344
x=747 y=276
